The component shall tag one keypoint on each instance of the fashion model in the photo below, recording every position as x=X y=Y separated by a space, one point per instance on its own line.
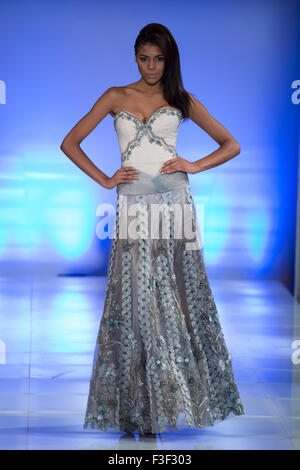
x=160 y=360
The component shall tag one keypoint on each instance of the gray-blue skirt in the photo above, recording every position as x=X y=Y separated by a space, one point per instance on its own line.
x=160 y=360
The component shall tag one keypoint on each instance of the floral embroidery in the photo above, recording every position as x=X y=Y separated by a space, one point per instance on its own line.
x=160 y=351
x=146 y=131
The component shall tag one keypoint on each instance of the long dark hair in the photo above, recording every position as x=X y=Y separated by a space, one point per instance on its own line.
x=173 y=90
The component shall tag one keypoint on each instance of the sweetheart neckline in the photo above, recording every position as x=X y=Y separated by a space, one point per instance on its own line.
x=151 y=116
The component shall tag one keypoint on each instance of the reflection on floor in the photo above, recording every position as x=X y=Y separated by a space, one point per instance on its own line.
x=48 y=329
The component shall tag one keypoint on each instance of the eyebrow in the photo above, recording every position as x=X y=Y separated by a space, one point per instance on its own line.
x=158 y=55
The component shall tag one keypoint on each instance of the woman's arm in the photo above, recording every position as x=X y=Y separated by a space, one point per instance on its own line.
x=71 y=143
x=229 y=147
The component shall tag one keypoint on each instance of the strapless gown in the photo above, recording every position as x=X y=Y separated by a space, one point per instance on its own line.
x=160 y=360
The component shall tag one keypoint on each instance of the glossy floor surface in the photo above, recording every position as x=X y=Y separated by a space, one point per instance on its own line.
x=48 y=329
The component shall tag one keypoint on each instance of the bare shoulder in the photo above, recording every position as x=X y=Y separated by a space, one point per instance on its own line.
x=110 y=98
x=196 y=106
x=116 y=95
x=198 y=112
x=202 y=117
x=113 y=93
x=104 y=105
x=109 y=102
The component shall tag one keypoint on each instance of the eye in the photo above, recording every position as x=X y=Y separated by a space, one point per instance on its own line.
x=143 y=59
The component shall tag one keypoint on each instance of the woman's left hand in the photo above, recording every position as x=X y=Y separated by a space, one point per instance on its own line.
x=178 y=164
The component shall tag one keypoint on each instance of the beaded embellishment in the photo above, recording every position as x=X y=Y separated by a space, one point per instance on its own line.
x=146 y=130
x=160 y=357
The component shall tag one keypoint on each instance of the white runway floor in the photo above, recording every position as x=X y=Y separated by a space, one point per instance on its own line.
x=48 y=329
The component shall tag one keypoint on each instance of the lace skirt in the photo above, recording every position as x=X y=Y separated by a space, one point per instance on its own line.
x=160 y=360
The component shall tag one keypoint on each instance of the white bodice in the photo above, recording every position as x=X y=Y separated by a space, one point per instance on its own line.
x=146 y=147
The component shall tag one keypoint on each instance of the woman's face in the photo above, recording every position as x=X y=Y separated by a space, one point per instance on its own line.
x=151 y=63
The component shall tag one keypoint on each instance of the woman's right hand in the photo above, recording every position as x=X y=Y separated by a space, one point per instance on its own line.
x=123 y=175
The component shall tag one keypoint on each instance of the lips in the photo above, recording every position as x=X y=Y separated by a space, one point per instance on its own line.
x=151 y=76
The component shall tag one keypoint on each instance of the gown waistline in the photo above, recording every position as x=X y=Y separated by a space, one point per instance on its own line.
x=146 y=184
